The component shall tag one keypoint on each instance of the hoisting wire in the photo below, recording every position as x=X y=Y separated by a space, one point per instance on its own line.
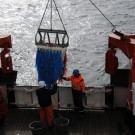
x=103 y=14
x=51 y=14
x=59 y=15
x=43 y=14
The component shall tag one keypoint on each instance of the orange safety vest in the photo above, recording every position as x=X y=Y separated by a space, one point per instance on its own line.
x=77 y=83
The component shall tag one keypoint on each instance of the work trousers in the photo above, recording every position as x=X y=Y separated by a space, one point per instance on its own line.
x=47 y=116
x=78 y=100
x=2 y=130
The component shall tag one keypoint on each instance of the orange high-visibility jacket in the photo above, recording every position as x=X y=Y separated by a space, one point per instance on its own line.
x=77 y=83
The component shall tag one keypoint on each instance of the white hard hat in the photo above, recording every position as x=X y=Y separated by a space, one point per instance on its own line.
x=41 y=84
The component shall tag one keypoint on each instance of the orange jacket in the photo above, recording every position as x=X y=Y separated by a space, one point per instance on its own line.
x=77 y=83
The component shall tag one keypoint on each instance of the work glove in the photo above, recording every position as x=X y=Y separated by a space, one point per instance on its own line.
x=64 y=78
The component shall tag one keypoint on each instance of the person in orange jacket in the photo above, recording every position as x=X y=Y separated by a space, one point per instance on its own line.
x=78 y=89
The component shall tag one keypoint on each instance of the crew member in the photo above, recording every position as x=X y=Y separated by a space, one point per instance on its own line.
x=45 y=102
x=78 y=88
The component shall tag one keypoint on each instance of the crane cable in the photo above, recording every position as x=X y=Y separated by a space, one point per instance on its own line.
x=59 y=15
x=43 y=14
x=51 y=14
x=102 y=14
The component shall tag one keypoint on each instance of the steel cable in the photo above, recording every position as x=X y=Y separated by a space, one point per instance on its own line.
x=102 y=14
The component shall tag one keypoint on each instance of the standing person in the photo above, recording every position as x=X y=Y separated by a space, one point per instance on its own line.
x=45 y=102
x=78 y=88
x=3 y=112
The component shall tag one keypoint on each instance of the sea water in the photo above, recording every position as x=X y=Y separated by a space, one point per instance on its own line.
x=87 y=28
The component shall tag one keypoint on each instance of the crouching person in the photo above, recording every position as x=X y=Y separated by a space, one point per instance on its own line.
x=45 y=102
x=3 y=112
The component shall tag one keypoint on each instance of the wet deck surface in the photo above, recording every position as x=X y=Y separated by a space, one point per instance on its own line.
x=94 y=123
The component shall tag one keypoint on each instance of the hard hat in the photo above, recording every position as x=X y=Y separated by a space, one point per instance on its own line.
x=75 y=72
x=41 y=84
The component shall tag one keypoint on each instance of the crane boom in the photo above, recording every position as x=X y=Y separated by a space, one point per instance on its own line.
x=126 y=43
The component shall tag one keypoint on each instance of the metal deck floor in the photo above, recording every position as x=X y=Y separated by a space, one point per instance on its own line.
x=94 y=123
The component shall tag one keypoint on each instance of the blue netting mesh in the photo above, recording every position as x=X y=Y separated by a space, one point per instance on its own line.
x=49 y=66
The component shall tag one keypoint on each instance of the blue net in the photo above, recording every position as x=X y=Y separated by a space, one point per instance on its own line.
x=49 y=66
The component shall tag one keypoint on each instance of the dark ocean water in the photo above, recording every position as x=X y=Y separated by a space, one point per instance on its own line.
x=87 y=29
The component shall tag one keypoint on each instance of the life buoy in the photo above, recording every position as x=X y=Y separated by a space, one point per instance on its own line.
x=6 y=61
x=111 y=62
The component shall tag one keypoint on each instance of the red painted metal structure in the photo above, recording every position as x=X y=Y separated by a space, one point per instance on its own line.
x=6 y=59
x=126 y=43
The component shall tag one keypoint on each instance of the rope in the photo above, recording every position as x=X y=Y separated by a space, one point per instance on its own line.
x=43 y=14
x=59 y=15
x=51 y=14
x=102 y=14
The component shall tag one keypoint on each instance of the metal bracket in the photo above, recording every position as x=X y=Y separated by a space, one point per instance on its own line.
x=54 y=38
